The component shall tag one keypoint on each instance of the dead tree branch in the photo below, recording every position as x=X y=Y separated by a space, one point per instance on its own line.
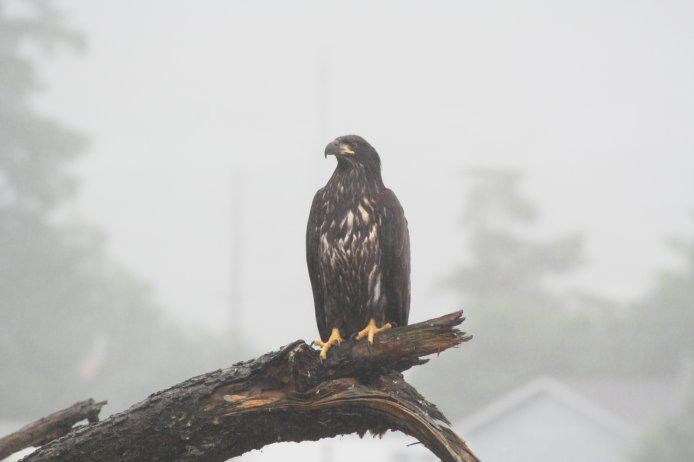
x=287 y=395
x=50 y=427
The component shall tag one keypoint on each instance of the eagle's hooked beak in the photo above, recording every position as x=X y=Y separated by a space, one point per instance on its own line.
x=335 y=148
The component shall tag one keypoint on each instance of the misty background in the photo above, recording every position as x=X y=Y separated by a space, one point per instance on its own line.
x=158 y=161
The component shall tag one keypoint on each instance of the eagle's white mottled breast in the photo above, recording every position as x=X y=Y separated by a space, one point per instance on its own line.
x=343 y=248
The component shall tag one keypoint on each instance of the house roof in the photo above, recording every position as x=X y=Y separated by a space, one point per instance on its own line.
x=638 y=400
x=552 y=388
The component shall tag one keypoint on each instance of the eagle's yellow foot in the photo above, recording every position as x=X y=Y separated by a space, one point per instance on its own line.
x=333 y=340
x=371 y=329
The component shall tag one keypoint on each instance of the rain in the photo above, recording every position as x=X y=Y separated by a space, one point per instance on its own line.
x=158 y=161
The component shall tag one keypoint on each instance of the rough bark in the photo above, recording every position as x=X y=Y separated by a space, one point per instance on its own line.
x=287 y=395
x=50 y=427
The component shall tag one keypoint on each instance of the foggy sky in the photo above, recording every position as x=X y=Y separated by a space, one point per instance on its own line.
x=592 y=100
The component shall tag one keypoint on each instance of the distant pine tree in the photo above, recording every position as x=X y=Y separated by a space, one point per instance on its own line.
x=72 y=323
x=523 y=323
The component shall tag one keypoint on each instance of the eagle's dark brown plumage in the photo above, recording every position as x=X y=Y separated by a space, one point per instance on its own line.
x=357 y=248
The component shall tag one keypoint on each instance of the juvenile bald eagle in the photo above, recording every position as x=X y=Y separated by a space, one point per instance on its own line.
x=357 y=248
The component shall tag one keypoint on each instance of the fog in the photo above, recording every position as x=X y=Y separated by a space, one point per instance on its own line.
x=205 y=123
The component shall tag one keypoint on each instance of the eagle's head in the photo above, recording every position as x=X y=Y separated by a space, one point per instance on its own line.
x=353 y=151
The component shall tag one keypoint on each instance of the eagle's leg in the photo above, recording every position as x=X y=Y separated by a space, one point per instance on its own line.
x=371 y=329
x=325 y=346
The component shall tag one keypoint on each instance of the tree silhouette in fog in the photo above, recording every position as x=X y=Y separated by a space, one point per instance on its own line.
x=72 y=323
x=523 y=321
x=671 y=439
x=505 y=263
x=665 y=317
x=663 y=322
x=527 y=321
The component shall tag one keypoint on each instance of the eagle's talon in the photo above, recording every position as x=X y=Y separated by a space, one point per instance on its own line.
x=371 y=330
x=325 y=346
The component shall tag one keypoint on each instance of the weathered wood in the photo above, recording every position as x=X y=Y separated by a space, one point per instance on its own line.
x=50 y=427
x=400 y=348
x=287 y=395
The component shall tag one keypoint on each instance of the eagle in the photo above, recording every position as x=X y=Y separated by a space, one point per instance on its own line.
x=357 y=249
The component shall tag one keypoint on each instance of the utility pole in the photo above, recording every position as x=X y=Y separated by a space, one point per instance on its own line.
x=236 y=262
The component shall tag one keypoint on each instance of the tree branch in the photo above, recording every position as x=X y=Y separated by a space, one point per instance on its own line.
x=287 y=395
x=51 y=427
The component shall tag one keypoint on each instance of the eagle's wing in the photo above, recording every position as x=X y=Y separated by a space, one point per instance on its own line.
x=395 y=241
x=312 y=257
